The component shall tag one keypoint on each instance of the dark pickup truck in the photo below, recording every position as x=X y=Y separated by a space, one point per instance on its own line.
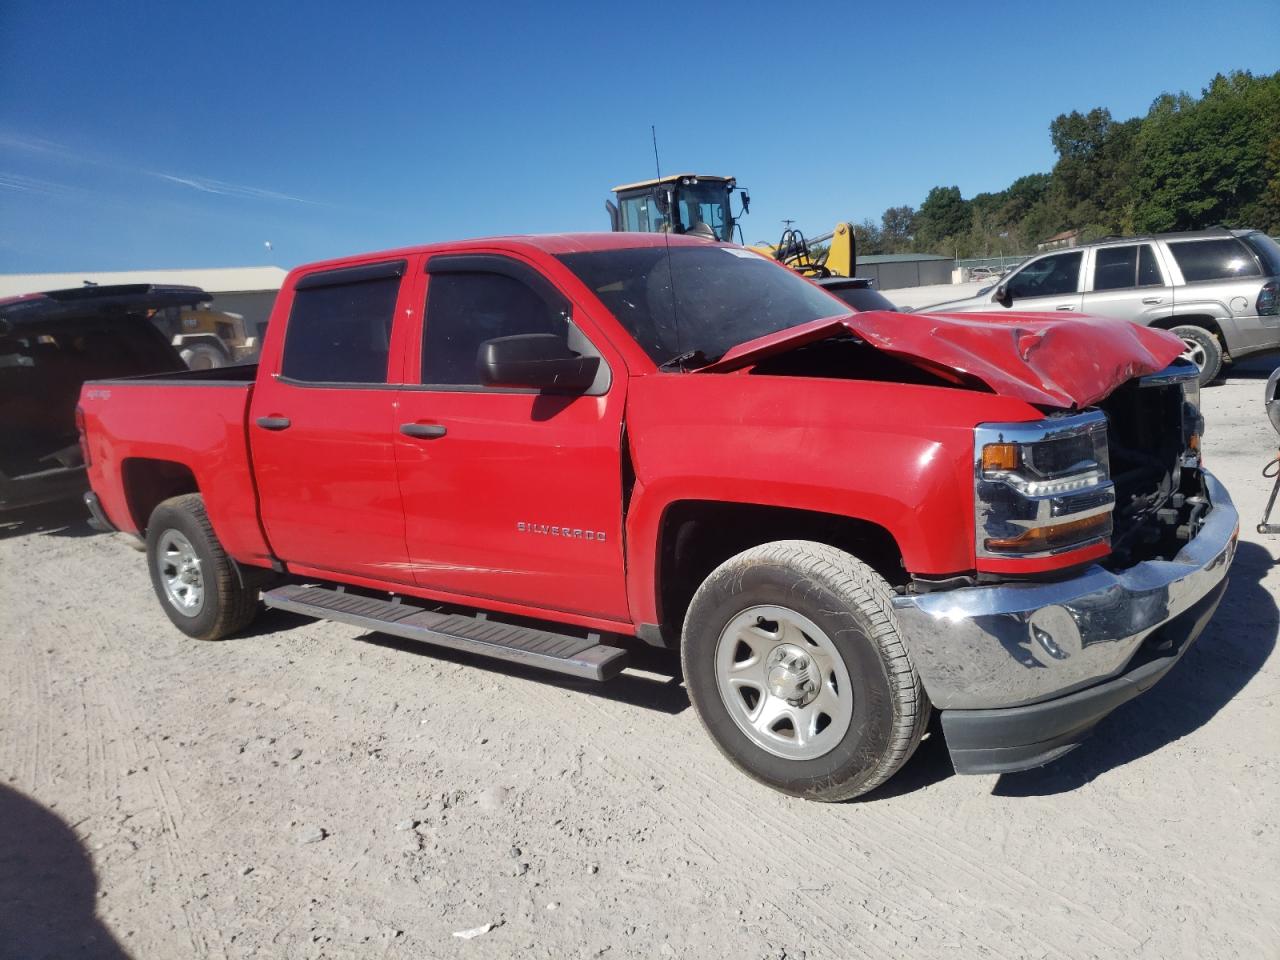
x=50 y=344
x=546 y=449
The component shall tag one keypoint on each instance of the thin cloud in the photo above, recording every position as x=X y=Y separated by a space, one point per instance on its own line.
x=24 y=184
x=39 y=146
x=221 y=187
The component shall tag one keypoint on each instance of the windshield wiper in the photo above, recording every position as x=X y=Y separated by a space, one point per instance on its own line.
x=687 y=361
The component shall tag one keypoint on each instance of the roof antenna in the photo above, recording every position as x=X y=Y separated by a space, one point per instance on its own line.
x=671 y=280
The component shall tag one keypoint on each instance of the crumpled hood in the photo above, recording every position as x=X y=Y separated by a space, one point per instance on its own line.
x=1056 y=360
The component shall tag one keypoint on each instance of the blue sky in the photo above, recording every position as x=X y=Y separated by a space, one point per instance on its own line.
x=188 y=134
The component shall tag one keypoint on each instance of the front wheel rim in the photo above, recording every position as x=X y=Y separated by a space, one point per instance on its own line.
x=179 y=568
x=784 y=682
x=1194 y=352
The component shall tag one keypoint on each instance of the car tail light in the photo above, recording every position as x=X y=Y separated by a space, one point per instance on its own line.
x=1269 y=299
x=84 y=439
x=1043 y=487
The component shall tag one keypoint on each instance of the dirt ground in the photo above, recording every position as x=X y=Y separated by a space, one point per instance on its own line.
x=310 y=790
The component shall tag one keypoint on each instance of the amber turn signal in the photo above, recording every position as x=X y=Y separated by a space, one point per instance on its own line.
x=999 y=456
x=1054 y=536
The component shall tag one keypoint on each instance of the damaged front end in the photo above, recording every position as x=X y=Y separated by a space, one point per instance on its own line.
x=1101 y=545
x=1024 y=667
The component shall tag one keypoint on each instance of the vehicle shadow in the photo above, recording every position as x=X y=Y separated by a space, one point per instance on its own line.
x=1252 y=368
x=930 y=764
x=663 y=692
x=48 y=889
x=65 y=518
x=1234 y=647
x=269 y=620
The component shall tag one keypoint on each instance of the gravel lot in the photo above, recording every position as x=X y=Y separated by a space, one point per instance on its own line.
x=314 y=791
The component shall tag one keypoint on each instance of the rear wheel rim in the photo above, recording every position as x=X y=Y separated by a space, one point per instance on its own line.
x=179 y=568
x=1195 y=352
x=784 y=683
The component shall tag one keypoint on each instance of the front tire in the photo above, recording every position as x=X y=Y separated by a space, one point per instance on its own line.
x=197 y=583
x=1203 y=349
x=794 y=661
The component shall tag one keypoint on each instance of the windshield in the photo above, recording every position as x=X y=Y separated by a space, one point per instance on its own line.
x=705 y=203
x=723 y=296
x=649 y=212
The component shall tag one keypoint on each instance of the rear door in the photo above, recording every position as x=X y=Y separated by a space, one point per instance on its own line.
x=1128 y=282
x=510 y=494
x=322 y=424
x=1050 y=283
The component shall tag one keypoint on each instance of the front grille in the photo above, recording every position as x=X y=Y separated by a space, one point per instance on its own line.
x=1145 y=438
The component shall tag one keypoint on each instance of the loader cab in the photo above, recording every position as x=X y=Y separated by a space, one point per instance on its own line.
x=683 y=203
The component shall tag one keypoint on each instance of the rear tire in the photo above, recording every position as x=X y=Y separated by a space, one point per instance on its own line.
x=795 y=663
x=1203 y=349
x=202 y=590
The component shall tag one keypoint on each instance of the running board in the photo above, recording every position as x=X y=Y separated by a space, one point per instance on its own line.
x=576 y=656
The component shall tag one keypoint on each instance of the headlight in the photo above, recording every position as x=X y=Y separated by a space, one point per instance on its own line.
x=1042 y=488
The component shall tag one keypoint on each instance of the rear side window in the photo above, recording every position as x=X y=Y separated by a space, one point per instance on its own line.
x=1121 y=268
x=340 y=332
x=1222 y=259
x=1268 y=251
x=466 y=309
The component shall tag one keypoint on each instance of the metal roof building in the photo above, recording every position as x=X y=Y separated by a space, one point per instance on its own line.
x=892 y=271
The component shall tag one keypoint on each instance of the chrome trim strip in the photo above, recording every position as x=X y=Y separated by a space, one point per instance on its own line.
x=1014 y=644
x=1180 y=371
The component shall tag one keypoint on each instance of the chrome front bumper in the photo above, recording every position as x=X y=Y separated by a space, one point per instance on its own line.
x=1014 y=644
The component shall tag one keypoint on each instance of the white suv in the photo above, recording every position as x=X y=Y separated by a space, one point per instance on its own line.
x=1219 y=289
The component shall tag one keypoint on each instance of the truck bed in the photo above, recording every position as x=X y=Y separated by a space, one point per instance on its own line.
x=170 y=429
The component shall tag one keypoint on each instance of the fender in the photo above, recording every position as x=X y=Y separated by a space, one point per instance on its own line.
x=124 y=421
x=895 y=455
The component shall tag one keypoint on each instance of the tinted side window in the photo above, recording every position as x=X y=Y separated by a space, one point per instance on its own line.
x=1268 y=251
x=341 y=333
x=1115 y=268
x=1049 y=277
x=466 y=309
x=1214 y=259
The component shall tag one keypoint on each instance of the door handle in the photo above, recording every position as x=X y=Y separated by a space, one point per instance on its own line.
x=1153 y=299
x=1065 y=306
x=423 y=431
x=274 y=423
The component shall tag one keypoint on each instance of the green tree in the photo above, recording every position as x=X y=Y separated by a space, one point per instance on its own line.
x=1210 y=161
x=897 y=228
x=868 y=237
x=943 y=217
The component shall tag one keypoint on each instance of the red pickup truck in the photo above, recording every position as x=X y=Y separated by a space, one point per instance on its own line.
x=546 y=449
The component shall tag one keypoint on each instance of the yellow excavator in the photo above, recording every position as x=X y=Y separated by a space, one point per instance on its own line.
x=700 y=205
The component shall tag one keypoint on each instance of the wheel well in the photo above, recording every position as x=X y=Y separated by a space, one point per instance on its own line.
x=696 y=536
x=1209 y=323
x=147 y=483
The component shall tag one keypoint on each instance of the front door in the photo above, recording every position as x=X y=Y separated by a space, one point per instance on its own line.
x=322 y=428
x=1051 y=283
x=509 y=494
